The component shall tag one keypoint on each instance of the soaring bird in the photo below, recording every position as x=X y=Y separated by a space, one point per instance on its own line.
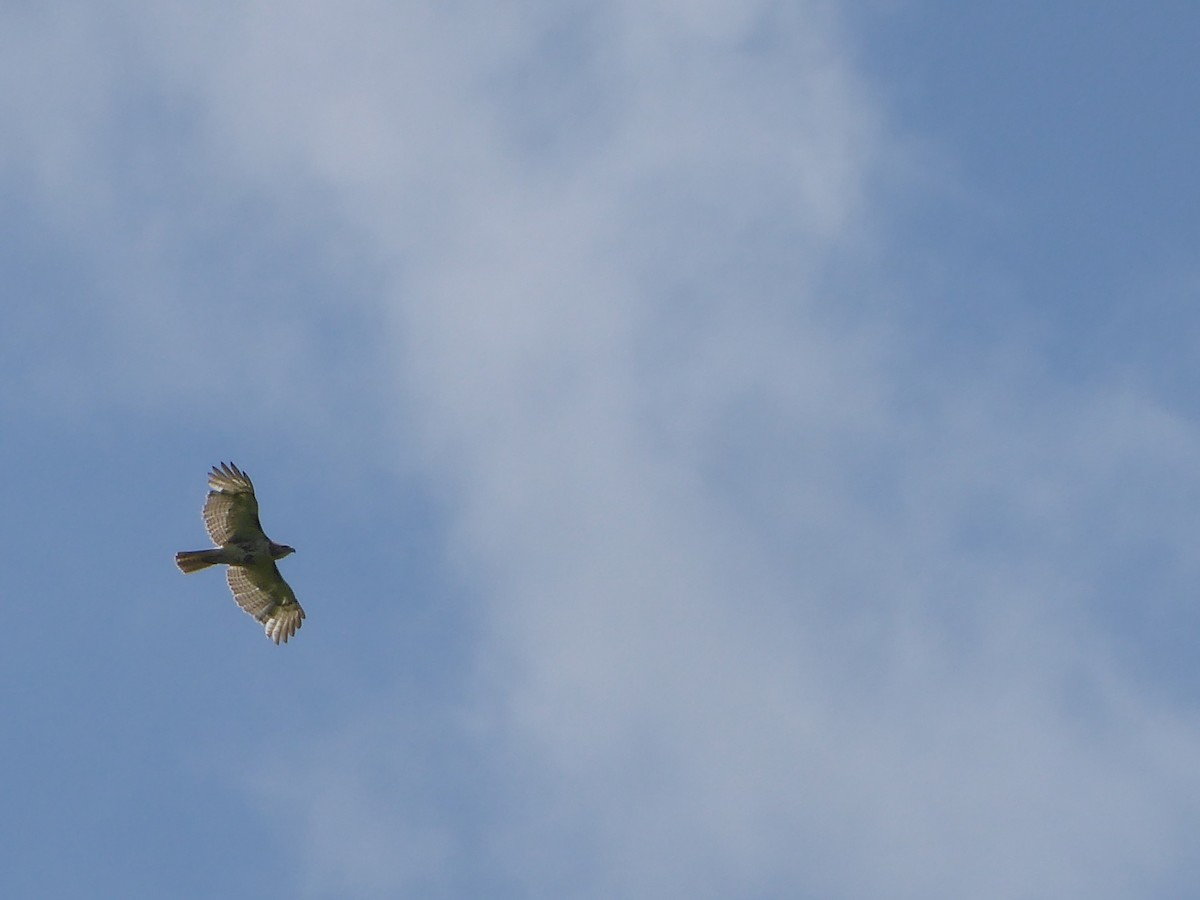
x=231 y=517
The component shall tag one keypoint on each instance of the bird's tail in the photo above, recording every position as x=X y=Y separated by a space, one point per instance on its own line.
x=195 y=560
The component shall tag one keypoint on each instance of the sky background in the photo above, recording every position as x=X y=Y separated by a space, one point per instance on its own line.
x=734 y=448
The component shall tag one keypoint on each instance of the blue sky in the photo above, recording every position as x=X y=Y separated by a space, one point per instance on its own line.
x=733 y=449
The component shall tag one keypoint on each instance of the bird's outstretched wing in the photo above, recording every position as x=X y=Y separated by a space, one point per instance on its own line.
x=262 y=592
x=231 y=510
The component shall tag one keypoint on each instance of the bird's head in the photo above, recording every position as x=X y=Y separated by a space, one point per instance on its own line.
x=279 y=551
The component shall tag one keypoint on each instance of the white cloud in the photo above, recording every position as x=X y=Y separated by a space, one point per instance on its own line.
x=767 y=606
x=737 y=638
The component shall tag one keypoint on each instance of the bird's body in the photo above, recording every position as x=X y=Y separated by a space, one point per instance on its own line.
x=231 y=517
x=245 y=553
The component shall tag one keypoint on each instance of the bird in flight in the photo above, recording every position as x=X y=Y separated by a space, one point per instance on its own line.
x=231 y=517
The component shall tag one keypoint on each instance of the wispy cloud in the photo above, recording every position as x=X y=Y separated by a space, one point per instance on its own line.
x=769 y=601
x=765 y=607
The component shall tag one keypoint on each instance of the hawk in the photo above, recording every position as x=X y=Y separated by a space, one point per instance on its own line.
x=231 y=517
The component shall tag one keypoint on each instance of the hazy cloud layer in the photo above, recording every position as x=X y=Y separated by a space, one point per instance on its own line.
x=768 y=600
